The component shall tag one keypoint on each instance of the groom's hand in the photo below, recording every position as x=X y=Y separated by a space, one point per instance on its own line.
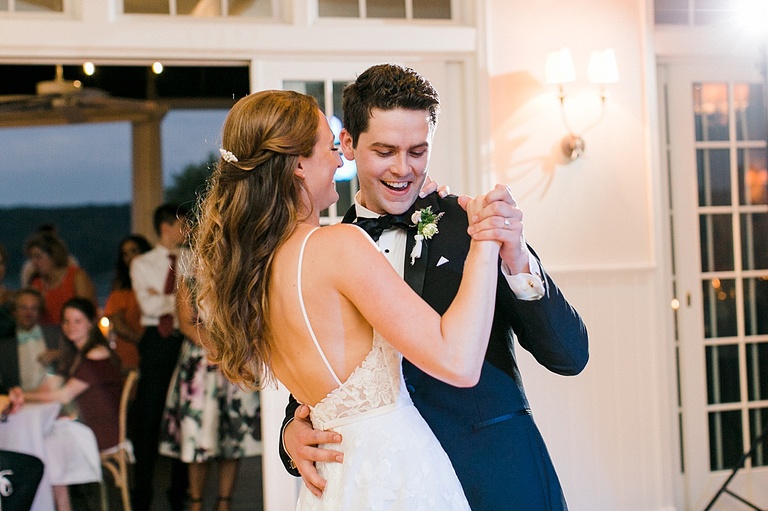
x=301 y=441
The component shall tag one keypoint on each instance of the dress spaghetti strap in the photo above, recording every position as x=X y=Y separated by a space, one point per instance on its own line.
x=304 y=310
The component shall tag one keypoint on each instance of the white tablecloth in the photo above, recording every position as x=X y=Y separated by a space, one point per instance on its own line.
x=68 y=449
x=25 y=432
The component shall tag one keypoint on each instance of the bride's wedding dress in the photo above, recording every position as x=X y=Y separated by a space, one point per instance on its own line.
x=392 y=460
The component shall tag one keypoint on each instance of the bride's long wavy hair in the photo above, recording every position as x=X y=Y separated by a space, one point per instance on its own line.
x=252 y=205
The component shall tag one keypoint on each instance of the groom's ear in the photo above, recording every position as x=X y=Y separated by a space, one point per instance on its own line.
x=347 y=147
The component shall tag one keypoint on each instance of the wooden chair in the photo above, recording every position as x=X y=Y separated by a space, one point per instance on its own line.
x=116 y=460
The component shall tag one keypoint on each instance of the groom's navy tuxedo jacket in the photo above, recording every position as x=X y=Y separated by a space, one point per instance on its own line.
x=487 y=430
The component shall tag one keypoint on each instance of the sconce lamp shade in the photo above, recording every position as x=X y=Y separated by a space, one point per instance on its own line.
x=559 y=67
x=602 y=67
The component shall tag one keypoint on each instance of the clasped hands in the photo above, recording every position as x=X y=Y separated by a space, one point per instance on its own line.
x=493 y=216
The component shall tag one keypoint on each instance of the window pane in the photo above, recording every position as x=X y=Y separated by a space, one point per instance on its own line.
x=723 y=374
x=339 y=8
x=756 y=307
x=314 y=89
x=758 y=419
x=716 y=233
x=712 y=11
x=255 y=8
x=754 y=241
x=713 y=168
x=432 y=9
x=671 y=12
x=753 y=177
x=386 y=8
x=710 y=106
x=719 y=308
x=725 y=444
x=39 y=5
x=198 y=8
x=146 y=7
x=757 y=371
x=750 y=111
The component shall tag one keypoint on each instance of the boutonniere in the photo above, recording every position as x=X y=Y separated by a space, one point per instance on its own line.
x=426 y=227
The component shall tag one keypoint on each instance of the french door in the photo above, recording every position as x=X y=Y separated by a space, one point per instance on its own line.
x=716 y=161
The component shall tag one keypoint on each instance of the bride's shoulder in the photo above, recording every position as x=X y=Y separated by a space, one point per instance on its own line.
x=345 y=234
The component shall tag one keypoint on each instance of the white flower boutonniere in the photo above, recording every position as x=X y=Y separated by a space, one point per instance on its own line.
x=426 y=227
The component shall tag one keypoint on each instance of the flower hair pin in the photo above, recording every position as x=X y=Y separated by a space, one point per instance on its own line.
x=227 y=156
x=426 y=227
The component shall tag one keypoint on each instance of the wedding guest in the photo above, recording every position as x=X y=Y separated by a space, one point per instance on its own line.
x=121 y=306
x=207 y=419
x=27 y=354
x=154 y=275
x=28 y=271
x=90 y=377
x=55 y=277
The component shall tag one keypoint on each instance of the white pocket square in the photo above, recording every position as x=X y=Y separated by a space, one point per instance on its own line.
x=441 y=261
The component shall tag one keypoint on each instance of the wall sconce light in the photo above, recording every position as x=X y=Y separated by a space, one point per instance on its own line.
x=559 y=70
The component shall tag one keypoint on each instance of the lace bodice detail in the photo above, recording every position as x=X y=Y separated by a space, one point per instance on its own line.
x=376 y=383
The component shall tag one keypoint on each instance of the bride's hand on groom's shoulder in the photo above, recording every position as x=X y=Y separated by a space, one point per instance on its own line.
x=301 y=442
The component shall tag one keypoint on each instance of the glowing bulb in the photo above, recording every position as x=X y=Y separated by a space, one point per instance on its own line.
x=675 y=304
x=157 y=68
x=89 y=68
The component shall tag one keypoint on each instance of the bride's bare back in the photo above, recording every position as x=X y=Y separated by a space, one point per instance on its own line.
x=342 y=332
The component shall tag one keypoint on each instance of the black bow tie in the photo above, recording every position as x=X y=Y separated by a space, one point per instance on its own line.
x=375 y=226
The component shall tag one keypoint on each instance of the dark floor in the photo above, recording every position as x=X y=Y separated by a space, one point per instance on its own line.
x=248 y=494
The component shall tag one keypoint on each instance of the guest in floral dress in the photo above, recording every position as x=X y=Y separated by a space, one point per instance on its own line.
x=206 y=416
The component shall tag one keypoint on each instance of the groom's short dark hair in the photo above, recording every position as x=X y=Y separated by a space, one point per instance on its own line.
x=386 y=86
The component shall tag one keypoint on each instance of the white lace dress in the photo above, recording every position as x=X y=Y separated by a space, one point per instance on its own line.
x=392 y=460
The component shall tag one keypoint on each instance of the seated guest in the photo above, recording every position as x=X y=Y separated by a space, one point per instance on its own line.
x=26 y=353
x=121 y=307
x=90 y=375
x=56 y=278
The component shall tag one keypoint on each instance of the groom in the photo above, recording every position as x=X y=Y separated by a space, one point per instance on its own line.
x=390 y=114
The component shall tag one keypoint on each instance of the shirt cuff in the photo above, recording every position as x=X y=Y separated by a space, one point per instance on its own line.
x=525 y=286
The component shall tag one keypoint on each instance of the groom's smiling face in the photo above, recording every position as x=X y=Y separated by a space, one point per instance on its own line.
x=392 y=156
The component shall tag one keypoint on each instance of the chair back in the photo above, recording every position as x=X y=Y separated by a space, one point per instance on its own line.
x=116 y=459
x=125 y=398
x=20 y=475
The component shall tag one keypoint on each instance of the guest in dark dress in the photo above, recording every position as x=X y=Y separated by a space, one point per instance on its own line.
x=89 y=375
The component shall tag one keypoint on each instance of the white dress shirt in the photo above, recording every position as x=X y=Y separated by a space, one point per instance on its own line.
x=148 y=274
x=31 y=344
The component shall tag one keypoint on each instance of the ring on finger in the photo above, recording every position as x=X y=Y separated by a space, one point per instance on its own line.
x=506 y=223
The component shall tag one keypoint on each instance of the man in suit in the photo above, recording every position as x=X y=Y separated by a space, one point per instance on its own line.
x=25 y=355
x=154 y=275
x=390 y=114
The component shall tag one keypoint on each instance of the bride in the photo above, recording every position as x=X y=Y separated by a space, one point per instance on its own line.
x=322 y=311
